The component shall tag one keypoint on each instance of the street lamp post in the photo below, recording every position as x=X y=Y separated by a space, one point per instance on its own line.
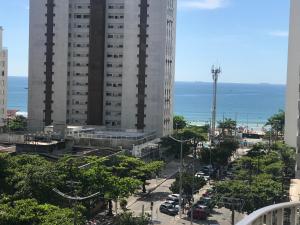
x=180 y=179
x=180 y=171
x=193 y=182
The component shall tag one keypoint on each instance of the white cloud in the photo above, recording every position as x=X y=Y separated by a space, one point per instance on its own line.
x=202 y=4
x=279 y=33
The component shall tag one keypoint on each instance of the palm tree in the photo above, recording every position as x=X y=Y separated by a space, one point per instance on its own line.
x=227 y=127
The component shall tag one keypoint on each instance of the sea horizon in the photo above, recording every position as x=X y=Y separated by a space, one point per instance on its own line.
x=209 y=82
x=250 y=104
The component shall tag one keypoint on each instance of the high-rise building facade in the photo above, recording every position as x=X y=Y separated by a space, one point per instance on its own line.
x=3 y=81
x=102 y=62
x=293 y=81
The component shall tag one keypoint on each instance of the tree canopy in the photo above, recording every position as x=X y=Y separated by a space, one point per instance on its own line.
x=192 y=135
x=19 y=123
x=30 y=212
x=277 y=122
x=260 y=178
x=220 y=154
x=130 y=219
x=187 y=184
x=32 y=176
x=227 y=126
x=179 y=122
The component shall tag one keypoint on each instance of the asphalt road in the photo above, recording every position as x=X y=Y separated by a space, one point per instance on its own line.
x=158 y=196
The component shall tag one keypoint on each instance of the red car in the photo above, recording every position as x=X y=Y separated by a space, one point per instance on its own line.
x=198 y=214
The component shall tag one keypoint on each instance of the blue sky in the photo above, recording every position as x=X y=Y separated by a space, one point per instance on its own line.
x=248 y=38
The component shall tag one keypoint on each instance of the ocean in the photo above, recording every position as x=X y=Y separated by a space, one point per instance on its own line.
x=249 y=104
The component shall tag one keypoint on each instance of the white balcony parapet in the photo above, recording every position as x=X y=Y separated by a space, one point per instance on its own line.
x=278 y=214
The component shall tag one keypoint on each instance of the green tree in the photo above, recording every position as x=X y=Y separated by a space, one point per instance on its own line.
x=30 y=176
x=125 y=166
x=29 y=212
x=277 y=122
x=191 y=134
x=227 y=127
x=220 y=154
x=112 y=182
x=3 y=172
x=179 y=122
x=19 y=123
x=259 y=177
x=128 y=219
x=187 y=184
x=257 y=150
x=262 y=191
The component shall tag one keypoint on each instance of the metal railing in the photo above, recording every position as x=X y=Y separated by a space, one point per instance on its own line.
x=278 y=214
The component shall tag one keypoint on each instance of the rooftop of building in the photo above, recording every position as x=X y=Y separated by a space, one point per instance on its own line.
x=103 y=132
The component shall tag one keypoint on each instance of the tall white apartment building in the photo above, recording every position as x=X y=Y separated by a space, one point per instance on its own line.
x=3 y=81
x=102 y=62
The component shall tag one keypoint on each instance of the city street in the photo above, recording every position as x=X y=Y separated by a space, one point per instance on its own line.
x=219 y=216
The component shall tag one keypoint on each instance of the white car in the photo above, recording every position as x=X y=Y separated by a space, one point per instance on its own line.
x=202 y=175
x=173 y=197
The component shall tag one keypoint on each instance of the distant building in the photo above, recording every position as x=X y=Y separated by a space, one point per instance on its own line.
x=102 y=62
x=12 y=113
x=292 y=135
x=3 y=81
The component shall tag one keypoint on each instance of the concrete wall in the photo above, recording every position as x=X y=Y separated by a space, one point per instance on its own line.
x=11 y=138
x=78 y=58
x=111 y=143
x=292 y=91
x=160 y=77
x=37 y=58
x=60 y=60
x=130 y=62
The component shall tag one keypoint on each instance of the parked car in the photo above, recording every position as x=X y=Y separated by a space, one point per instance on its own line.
x=173 y=197
x=175 y=204
x=169 y=209
x=201 y=174
x=207 y=170
x=204 y=207
x=209 y=193
x=198 y=214
x=207 y=201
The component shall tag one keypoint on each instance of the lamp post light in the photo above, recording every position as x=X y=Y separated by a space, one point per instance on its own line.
x=180 y=171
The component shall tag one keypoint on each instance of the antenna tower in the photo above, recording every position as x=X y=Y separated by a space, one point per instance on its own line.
x=215 y=75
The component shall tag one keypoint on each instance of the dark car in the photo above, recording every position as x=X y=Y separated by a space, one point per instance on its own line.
x=198 y=214
x=206 y=201
x=204 y=207
x=207 y=170
x=175 y=204
x=168 y=208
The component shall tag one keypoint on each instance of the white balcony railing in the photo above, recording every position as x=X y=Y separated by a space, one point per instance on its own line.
x=279 y=214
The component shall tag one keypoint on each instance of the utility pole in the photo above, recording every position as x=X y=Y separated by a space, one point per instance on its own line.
x=215 y=75
x=75 y=199
x=180 y=171
x=180 y=178
x=193 y=182
x=233 y=204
